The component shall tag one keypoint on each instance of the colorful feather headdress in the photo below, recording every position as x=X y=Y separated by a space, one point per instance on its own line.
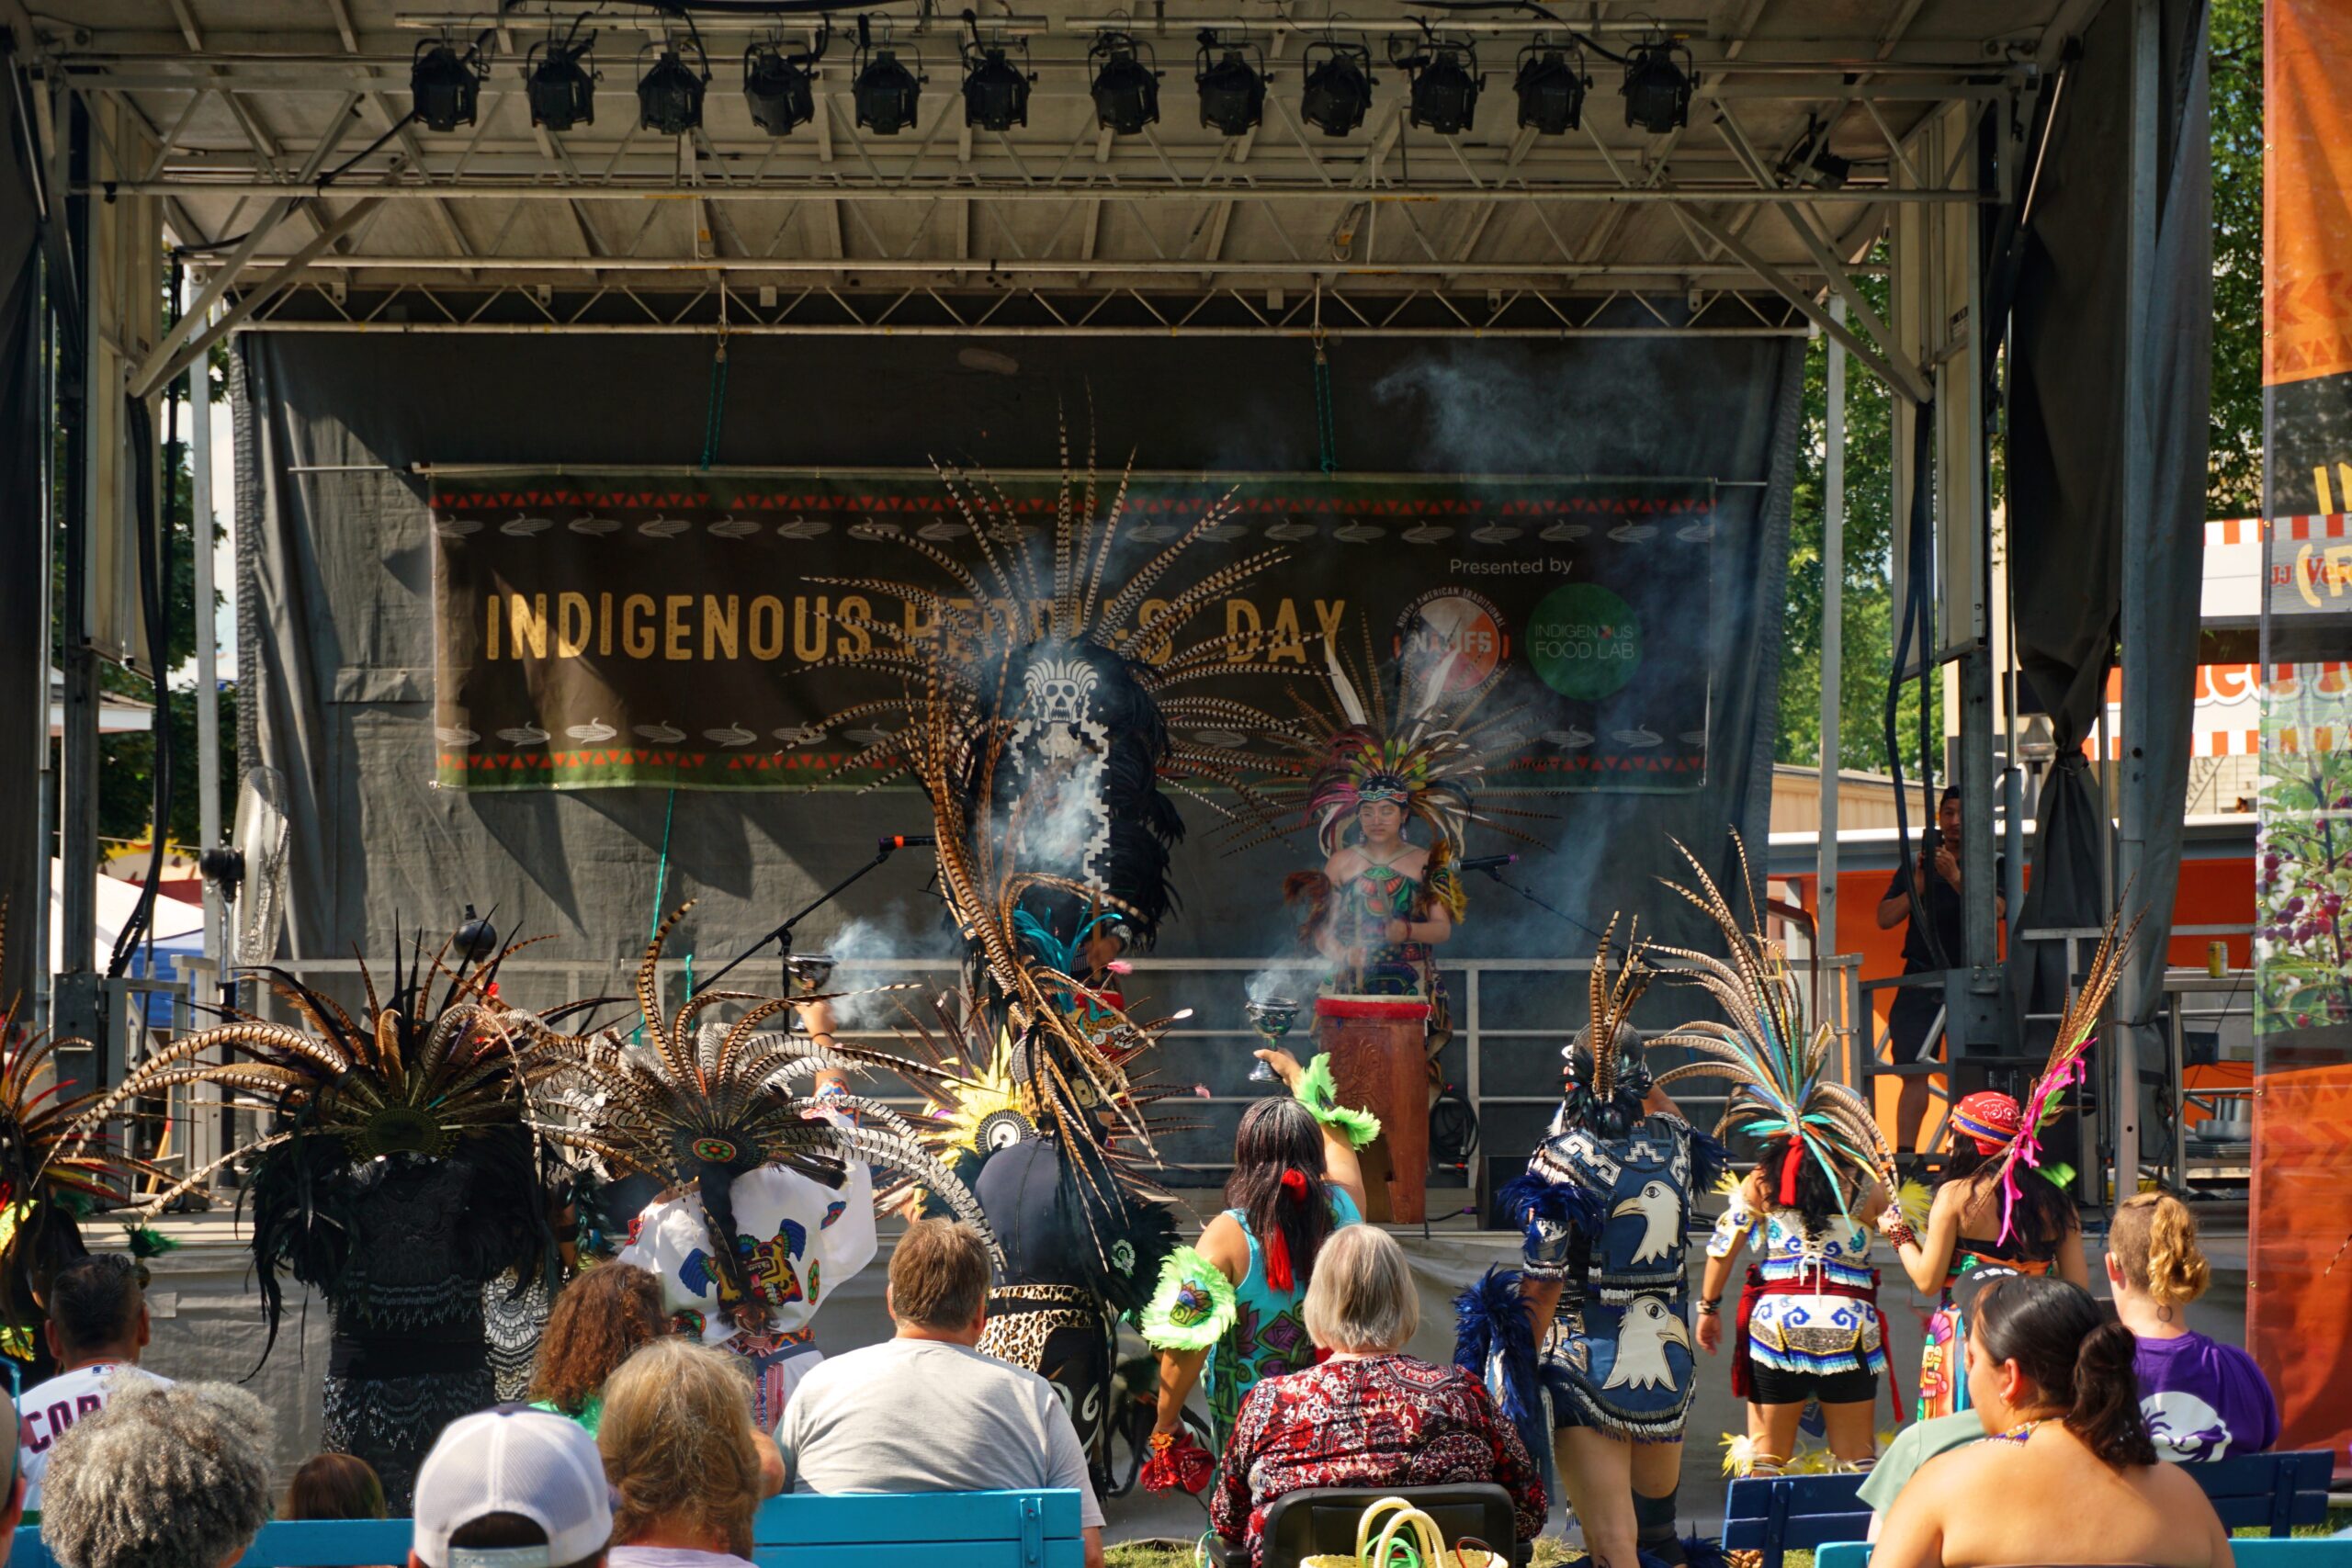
x=2076 y=1028
x=1777 y=1067
x=1390 y=736
x=1040 y=680
x=699 y=1105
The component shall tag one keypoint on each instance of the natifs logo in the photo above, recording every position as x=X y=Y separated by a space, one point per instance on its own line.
x=1457 y=624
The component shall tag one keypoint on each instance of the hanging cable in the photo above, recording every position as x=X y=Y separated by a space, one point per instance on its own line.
x=1914 y=621
x=715 y=412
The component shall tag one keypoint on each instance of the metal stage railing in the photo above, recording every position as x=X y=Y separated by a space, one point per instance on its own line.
x=1503 y=1060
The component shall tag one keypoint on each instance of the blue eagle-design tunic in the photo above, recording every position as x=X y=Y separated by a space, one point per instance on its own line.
x=1607 y=1217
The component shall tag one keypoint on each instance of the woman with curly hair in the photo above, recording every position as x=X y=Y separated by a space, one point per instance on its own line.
x=683 y=1458
x=599 y=1320
x=165 y=1476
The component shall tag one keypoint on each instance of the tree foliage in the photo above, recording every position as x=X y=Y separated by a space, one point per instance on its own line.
x=2234 y=488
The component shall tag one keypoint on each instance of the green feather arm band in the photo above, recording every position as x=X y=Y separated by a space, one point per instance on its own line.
x=1320 y=1095
x=1193 y=1305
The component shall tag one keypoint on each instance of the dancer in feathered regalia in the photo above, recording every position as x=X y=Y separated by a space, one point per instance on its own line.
x=46 y=1174
x=767 y=1201
x=1037 y=717
x=1999 y=1210
x=394 y=1174
x=1606 y=1383
x=1394 y=750
x=1808 y=1325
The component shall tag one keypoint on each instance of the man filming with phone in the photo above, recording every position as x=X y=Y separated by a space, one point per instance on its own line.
x=1937 y=945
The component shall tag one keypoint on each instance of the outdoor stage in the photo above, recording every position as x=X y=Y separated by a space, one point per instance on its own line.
x=207 y=1323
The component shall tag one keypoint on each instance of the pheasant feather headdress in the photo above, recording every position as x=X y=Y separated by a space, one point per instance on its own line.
x=1039 y=674
x=2076 y=1027
x=698 y=1106
x=1777 y=1067
x=1601 y=1076
x=45 y=1174
x=411 y=1077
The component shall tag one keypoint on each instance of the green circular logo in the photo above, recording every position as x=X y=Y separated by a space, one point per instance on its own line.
x=1584 y=641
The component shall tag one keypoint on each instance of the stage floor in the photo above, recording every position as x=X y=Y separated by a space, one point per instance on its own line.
x=207 y=1323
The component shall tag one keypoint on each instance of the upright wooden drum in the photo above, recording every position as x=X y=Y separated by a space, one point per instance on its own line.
x=1379 y=1064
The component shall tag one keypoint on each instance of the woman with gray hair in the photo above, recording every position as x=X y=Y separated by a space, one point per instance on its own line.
x=165 y=1476
x=1370 y=1415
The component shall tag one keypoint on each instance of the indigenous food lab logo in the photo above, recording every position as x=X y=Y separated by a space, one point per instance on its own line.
x=1584 y=641
x=1457 y=622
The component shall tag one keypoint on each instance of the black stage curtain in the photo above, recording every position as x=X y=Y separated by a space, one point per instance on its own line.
x=24 y=641
x=2068 y=527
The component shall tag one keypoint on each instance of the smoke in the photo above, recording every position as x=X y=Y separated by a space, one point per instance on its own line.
x=896 y=934
x=1498 y=409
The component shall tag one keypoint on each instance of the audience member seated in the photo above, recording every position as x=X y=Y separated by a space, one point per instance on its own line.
x=2065 y=1473
x=97 y=1328
x=926 y=1412
x=516 y=1482
x=1370 y=1415
x=335 y=1486
x=162 y=1476
x=684 y=1458
x=597 y=1321
x=2202 y=1399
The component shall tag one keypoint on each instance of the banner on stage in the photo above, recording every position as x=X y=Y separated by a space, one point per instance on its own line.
x=610 y=630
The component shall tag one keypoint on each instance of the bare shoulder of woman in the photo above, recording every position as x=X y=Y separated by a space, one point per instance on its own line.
x=1226 y=1245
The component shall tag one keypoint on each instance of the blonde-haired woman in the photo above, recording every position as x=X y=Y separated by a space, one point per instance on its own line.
x=2202 y=1399
x=1370 y=1415
x=687 y=1467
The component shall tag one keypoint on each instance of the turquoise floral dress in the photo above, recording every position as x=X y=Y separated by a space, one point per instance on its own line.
x=1269 y=1333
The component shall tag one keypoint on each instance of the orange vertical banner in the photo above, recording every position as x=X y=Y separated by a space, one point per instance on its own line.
x=2299 y=1294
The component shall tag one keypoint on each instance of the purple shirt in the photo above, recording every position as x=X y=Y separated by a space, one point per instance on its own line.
x=2204 y=1399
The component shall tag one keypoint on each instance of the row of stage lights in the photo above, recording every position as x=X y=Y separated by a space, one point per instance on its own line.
x=779 y=84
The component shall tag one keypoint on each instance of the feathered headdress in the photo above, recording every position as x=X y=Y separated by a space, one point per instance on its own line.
x=411 y=1078
x=45 y=1175
x=700 y=1106
x=2076 y=1028
x=1603 y=1082
x=1389 y=736
x=1776 y=1065
x=1054 y=689
x=990 y=1092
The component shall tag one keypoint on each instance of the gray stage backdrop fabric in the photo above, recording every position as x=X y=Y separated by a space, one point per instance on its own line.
x=24 y=641
x=2068 y=523
x=338 y=651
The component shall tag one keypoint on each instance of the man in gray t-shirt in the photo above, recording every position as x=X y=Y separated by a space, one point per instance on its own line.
x=926 y=1412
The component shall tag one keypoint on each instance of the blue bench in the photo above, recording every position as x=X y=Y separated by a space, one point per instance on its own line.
x=2275 y=1492
x=2254 y=1551
x=984 y=1529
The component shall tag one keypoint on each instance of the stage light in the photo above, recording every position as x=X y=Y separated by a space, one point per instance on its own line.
x=886 y=93
x=1657 y=90
x=1444 y=93
x=1233 y=90
x=996 y=90
x=1125 y=88
x=559 y=81
x=1339 y=87
x=779 y=88
x=476 y=938
x=669 y=96
x=1550 y=86
x=445 y=86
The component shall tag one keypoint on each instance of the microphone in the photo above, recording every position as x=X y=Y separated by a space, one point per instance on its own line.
x=906 y=841
x=1484 y=862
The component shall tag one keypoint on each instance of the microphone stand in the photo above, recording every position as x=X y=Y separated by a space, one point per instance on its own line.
x=1496 y=873
x=782 y=935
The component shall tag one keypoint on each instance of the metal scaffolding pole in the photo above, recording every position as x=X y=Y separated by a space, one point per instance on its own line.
x=208 y=650
x=1833 y=633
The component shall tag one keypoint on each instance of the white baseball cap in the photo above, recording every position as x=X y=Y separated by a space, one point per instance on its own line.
x=541 y=1466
